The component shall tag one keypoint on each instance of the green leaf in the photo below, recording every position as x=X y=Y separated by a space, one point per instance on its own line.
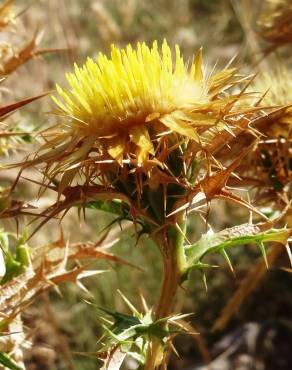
x=13 y=268
x=122 y=322
x=132 y=333
x=114 y=207
x=15 y=263
x=7 y=362
x=238 y=235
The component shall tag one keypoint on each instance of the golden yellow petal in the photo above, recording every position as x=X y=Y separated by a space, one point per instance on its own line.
x=179 y=126
x=152 y=116
x=142 y=155
x=116 y=147
x=196 y=70
x=139 y=135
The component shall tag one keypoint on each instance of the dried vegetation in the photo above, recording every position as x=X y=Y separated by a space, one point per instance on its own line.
x=149 y=139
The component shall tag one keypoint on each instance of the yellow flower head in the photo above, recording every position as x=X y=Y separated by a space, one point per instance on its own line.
x=146 y=128
x=129 y=112
x=115 y=100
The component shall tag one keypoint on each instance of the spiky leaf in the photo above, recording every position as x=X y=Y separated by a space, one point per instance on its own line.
x=238 y=235
x=7 y=362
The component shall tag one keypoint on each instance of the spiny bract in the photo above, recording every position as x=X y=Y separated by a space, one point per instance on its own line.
x=268 y=168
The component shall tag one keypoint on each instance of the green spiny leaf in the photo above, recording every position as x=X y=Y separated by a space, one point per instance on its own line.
x=234 y=236
x=7 y=362
x=132 y=334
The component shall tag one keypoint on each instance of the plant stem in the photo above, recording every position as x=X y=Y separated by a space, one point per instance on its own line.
x=171 y=246
x=169 y=286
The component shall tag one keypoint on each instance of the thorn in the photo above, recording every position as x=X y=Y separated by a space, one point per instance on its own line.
x=204 y=280
x=227 y=259
x=174 y=349
x=83 y=288
x=201 y=265
x=128 y=303
x=250 y=211
x=182 y=233
x=58 y=291
x=144 y=303
x=289 y=253
x=264 y=254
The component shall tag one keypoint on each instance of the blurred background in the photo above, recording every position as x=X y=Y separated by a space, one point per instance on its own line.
x=64 y=327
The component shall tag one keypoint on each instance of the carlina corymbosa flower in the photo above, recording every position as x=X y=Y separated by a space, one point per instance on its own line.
x=129 y=113
x=115 y=100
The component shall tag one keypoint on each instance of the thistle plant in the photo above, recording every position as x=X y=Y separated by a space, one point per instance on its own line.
x=143 y=135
